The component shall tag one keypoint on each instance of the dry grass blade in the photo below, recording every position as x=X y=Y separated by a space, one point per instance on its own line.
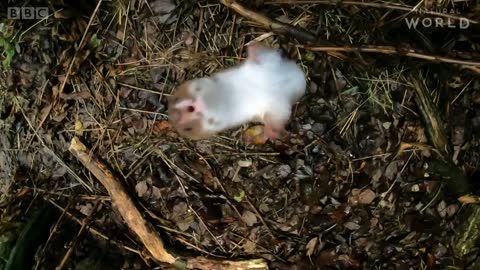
x=392 y=6
x=432 y=118
x=392 y=50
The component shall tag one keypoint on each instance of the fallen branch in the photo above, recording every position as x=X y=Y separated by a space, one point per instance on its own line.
x=144 y=230
x=275 y=26
x=122 y=201
x=399 y=51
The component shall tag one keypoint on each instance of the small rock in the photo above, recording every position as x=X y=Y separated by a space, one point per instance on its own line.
x=351 y=226
x=307 y=126
x=283 y=170
x=318 y=128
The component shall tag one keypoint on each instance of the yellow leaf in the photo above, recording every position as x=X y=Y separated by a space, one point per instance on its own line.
x=254 y=135
x=468 y=199
x=79 y=128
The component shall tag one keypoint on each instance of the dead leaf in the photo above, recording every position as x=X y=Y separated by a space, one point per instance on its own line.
x=451 y=210
x=162 y=126
x=163 y=8
x=377 y=174
x=249 y=246
x=362 y=165
x=86 y=209
x=391 y=170
x=367 y=196
x=245 y=163
x=156 y=193
x=442 y=209
x=351 y=226
x=44 y=113
x=59 y=172
x=181 y=216
x=311 y=245
x=468 y=199
x=364 y=197
x=141 y=188
x=79 y=128
x=189 y=40
x=76 y=96
x=185 y=222
x=249 y=218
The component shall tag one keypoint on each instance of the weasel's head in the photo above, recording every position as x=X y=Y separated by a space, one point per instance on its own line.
x=187 y=109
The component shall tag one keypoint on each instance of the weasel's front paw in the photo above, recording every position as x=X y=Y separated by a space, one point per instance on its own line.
x=270 y=133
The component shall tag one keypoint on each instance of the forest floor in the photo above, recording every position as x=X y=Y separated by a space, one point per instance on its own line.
x=355 y=183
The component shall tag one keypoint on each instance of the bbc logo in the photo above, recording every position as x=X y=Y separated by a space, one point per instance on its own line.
x=27 y=13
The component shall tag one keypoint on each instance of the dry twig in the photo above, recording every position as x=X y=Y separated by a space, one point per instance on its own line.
x=274 y=25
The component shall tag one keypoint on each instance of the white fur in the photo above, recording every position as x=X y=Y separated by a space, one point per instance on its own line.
x=249 y=91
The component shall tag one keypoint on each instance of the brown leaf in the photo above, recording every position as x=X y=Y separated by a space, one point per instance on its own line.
x=311 y=245
x=76 y=96
x=184 y=223
x=141 y=188
x=162 y=126
x=44 y=113
x=367 y=196
x=363 y=197
x=162 y=7
x=86 y=209
x=249 y=218
x=249 y=246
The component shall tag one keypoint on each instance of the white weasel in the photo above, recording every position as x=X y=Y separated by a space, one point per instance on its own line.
x=263 y=88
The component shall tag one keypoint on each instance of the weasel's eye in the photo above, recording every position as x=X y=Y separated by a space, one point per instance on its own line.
x=190 y=109
x=188 y=129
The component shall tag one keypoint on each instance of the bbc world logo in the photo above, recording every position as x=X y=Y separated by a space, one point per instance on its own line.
x=27 y=13
x=427 y=22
